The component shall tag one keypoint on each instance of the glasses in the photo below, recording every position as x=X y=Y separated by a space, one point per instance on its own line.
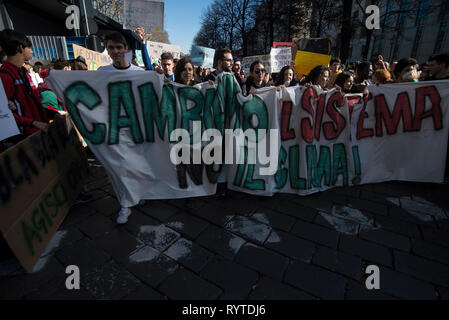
x=228 y=60
x=259 y=71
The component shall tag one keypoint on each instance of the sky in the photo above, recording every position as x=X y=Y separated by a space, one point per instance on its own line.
x=182 y=21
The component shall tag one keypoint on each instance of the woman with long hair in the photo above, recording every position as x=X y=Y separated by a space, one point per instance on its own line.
x=319 y=76
x=184 y=73
x=344 y=82
x=286 y=77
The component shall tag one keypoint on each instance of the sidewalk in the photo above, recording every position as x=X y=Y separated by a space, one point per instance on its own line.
x=247 y=247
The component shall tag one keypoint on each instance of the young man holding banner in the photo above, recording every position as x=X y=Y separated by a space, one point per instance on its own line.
x=117 y=48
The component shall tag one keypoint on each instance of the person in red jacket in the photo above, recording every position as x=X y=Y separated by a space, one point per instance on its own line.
x=23 y=97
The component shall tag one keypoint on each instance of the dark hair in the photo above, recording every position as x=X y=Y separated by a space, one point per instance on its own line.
x=342 y=78
x=404 y=63
x=60 y=64
x=11 y=40
x=280 y=77
x=441 y=58
x=38 y=66
x=180 y=67
x=315 y=74
x=167 y=56
x=116 y=37
x=219 y=55
x=254 y=64
x=334 y=60
x=79 y=65
x=362 y=66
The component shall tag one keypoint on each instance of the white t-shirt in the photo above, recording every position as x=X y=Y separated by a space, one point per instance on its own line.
x=112 y=67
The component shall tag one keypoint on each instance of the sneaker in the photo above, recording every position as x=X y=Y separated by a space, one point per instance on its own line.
x=123 y=215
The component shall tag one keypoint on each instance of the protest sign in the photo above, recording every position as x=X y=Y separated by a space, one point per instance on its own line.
x=326 y=139
x=265 y=59
x=40 y=178
x=202 y=56
x=8 y=125
x=280 y=57
x=306 y=61
x=155 y=49
x=139 y=58
x=143 y=13
x=94 y=59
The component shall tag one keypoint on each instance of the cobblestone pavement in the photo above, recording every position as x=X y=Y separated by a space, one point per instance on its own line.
x=240 y=246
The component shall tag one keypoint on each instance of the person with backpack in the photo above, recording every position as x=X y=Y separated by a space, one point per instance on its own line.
x=23 y=97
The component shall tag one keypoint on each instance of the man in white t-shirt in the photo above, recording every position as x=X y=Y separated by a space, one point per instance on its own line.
x=117 y=48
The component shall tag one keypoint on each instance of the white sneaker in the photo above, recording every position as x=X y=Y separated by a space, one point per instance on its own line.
x=123 y=215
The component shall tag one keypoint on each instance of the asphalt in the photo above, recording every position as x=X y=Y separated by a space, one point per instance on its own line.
x=244 y=247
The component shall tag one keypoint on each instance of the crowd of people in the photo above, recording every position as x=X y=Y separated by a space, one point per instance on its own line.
x=34 y=104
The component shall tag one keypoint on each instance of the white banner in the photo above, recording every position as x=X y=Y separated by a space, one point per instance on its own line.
x=321 y=139
x=143 y=13
x=8 y=125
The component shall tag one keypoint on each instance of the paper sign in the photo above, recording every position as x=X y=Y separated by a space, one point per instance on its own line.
x=202 y=56
x=94 y=59
x=155 y=49
x=280 y=57
x=139 y=58
x=306 y=61
x=143 y=13
x=8 y=125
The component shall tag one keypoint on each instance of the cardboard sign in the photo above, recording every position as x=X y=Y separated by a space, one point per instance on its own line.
x=265 y=59
x=202 y=56
x=8 y=125
x=306 y=61
x=94 y=59
x=280 y=57
x=40 y=178
x=143 y=13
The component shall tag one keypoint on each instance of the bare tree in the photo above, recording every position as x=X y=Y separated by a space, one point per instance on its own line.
x=110 y=8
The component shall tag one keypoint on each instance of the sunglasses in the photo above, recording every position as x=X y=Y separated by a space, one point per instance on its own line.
x=258 y=71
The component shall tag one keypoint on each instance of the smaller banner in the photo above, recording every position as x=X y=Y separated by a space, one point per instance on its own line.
x=306 y=61
x=94 y=59
x=40 y=178
x=265 y=59
x=202 y=56
x=143 y=13
x=280 y=57
x=8 y=125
